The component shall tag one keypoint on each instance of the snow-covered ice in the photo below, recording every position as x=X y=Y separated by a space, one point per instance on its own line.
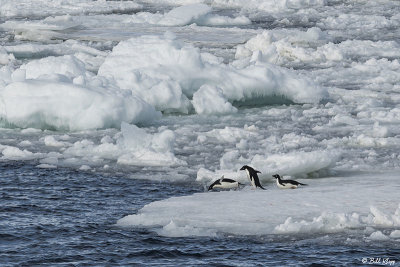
x=166 y=73
x=57 y=103
x=325 y=206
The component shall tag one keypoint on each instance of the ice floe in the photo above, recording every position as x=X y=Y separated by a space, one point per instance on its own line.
x=131 y=146
x=316 y=209
x=14 y=153
x=63 y=105
x=153 y=63
x=199 y=14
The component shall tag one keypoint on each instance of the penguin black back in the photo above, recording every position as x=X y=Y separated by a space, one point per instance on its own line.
x=224 y=183
x=252 y=173
x=286 y=183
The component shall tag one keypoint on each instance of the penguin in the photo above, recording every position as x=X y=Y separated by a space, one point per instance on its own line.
x=252 y=174
x=224 y=183
x=286 y=184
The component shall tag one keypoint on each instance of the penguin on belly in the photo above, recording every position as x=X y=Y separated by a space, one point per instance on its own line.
x=286 y=184
x=224 y=183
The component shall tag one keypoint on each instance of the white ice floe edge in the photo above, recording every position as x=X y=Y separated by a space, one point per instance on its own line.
x=316 y=209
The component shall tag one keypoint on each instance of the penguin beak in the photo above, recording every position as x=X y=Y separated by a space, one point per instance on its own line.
x=242 y=169
x=210 y=187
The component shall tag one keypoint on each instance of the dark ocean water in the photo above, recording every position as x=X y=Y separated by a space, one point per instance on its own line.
x=67 y=218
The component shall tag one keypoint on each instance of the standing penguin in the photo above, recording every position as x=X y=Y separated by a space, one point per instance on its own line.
x=252 y=174
x=286 y=184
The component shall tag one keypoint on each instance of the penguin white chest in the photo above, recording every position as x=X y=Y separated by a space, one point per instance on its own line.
x=251 y=178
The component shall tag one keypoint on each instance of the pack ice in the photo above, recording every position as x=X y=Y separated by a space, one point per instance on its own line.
x=171 y=76
x=141 y=75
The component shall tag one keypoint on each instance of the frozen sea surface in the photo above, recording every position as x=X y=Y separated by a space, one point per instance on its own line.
x=115 y=117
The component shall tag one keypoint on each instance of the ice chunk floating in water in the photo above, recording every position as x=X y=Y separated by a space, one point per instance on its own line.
x=60 y=105
x=59 y=93
x=210 y=100
x=148 y=64
x=199 y=14
x=316 y=209
x=148 y=150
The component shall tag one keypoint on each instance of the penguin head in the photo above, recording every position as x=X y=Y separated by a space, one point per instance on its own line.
x=244 y=168
x=214 y=184
x=276 y=176
x=250 y=169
